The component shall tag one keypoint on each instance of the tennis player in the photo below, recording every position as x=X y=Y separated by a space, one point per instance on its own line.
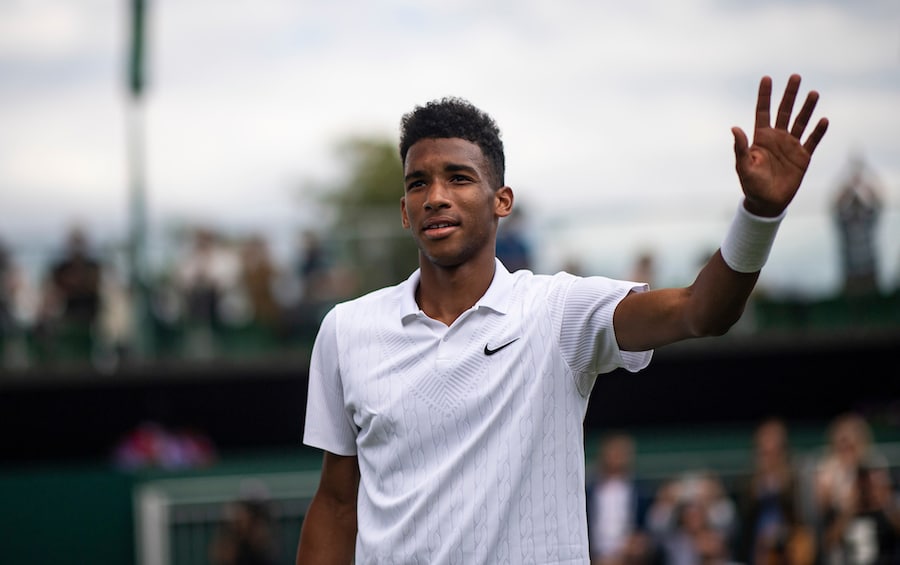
x=450 y=407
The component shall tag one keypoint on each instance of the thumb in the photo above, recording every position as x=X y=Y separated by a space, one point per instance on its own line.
x=741 y=144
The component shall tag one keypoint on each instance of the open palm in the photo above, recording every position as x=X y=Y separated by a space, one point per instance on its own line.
x=771 y=170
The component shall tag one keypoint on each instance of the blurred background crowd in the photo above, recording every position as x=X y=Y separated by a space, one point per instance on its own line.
x=838 y=504
x=216 y=294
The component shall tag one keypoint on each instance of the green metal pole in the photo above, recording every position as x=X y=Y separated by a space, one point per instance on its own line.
x=137 y=242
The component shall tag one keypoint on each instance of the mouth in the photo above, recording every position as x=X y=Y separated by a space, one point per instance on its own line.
x=438 y=228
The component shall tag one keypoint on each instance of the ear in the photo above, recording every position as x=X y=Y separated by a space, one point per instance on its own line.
x=403 y=219
x=503 y=201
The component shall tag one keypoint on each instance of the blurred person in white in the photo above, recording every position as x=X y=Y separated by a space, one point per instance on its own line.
x=772 y=530
x=858 y=207
x=693 y=520
x=205 y=276
x=850 y=444
x=867 y=530
x=616 y=506
x=450 y=407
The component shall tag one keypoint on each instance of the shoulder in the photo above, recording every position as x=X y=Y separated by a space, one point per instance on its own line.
x=564 y=286
x=371 y=299
x=375 y=305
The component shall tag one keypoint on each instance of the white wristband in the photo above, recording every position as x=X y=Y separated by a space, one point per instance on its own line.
x=749 y=240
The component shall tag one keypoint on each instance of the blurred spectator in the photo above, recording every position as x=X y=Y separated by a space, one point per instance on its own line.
x=866 y=530
x=323 y=282
x=75 y=278
x=13 y=350
x=857 y=209
x=259 y=275
x=615 y=506
x=115 y=321
x=312 y=267
x=71 y=299
x=693 y=521
x=204 y=277
x=772 y=530
x=512 y=246
x=644 y=268
x=247 y=537
x=850 y=443
x=7 y=284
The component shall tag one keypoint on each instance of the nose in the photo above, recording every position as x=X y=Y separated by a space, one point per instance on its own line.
x=437 y=196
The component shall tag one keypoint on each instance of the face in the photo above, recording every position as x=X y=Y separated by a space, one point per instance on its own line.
x=449 y=205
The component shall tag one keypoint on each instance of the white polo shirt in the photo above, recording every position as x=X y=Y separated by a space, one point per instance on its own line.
x=469 y=437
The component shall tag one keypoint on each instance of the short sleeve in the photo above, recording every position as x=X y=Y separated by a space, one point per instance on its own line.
x=587 y=336
x=328 y=426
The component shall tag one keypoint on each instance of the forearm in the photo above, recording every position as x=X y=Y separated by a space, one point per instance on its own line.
x=718 y=297
x=720 y=293
x=328 y=535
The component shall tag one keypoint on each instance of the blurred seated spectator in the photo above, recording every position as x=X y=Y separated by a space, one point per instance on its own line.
x=772 y=529
x=247 y=537
x=259 y=276
x=115 y=321
x=693 y=521
x=71 y=300
x=512 y=246
x=850 y=443
x=867 y=529
x=13 y=349
x=616 y=507
x=312 y=266
x=204 y=277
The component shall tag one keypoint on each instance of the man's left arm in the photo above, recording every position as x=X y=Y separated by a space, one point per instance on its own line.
x=770 y=172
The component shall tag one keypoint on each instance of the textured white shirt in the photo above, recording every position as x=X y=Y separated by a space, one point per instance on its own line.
x=469 y=437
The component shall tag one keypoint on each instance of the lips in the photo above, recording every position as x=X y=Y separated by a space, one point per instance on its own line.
x=439 y=227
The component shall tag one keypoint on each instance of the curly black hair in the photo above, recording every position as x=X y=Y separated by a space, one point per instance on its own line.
x=455 y=117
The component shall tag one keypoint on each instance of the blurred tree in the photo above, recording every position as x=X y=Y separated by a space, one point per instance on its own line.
x=366 y=233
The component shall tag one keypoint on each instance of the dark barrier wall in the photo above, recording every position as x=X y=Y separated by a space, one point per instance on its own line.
x=245 y=407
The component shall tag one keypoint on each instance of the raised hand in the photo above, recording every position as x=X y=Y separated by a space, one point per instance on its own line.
x=772 y=169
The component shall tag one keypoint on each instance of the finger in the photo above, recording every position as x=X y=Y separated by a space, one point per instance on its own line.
x=787 y=102
x=763 y=102
x=741 y=145
x=805 y=113
x=816 y=136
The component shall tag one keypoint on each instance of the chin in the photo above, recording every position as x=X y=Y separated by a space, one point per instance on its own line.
x=443 y=260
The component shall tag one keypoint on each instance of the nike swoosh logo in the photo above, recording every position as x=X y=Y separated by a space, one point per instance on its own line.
x=489 y=351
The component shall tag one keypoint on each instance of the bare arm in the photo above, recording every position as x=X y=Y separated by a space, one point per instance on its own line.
x=328 y=534
x=770 y=171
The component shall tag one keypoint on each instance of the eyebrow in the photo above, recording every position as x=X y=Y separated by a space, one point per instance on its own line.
x=449 y=168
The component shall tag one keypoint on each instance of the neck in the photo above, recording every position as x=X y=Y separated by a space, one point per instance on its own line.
x=444 y=293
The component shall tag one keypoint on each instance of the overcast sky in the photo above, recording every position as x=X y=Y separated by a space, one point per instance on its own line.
x=616 y=115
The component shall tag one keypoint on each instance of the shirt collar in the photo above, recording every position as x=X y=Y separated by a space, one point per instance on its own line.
x=496 y=298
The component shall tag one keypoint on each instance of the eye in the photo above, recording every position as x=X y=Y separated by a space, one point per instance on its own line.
x=460 y=179
x=414 y=185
